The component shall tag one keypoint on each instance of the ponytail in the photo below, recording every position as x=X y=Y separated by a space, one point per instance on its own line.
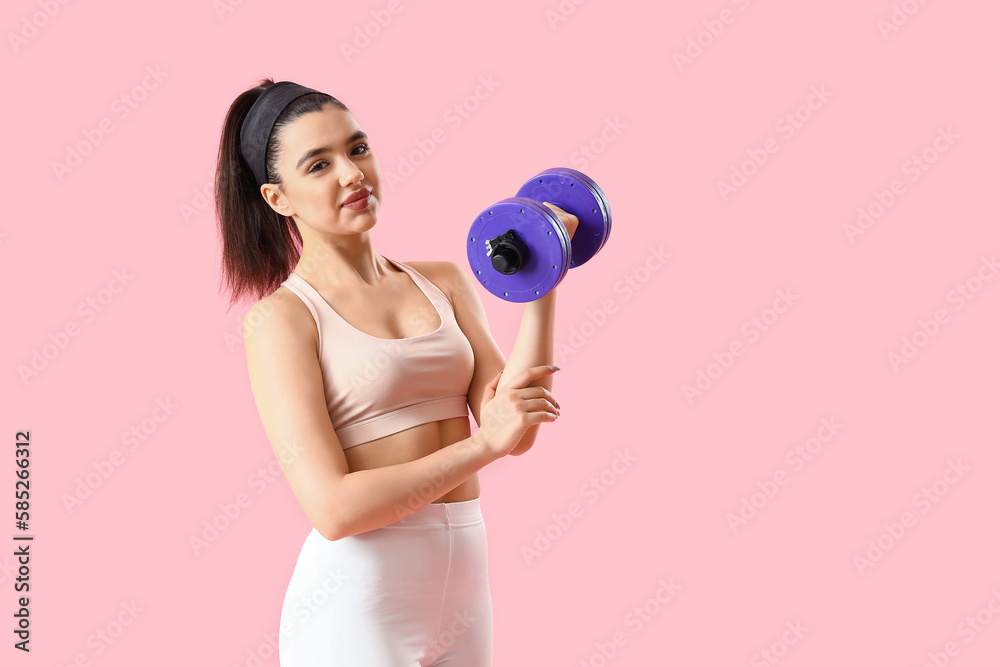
x=259 y=245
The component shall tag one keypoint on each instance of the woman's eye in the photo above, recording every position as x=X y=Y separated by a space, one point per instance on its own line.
x=358 y=150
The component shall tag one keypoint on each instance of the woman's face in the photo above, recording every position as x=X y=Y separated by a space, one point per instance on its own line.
x=325 y=163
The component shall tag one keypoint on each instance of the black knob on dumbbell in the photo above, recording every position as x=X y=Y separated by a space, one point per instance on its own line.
x=507 y=253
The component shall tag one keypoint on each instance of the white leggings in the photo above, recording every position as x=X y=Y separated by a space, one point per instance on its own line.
x=414 y=593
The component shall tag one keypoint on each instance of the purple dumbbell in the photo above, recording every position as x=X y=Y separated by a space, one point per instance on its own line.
x=519 y=249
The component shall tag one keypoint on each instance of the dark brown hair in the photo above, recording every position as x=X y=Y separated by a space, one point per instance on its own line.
x=259 y=246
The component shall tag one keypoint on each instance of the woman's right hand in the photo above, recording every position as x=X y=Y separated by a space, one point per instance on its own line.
x=505 y=414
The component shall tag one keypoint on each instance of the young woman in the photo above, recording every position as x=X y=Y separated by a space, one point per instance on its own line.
x=364 y=370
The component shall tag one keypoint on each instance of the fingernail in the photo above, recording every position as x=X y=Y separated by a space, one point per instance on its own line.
x=553 y=368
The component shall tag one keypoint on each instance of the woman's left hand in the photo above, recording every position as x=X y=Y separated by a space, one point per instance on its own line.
x=568 y=219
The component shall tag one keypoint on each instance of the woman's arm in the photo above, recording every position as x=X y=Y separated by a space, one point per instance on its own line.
x=533 y=347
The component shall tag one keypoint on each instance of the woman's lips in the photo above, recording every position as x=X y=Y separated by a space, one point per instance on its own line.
x=359 y=200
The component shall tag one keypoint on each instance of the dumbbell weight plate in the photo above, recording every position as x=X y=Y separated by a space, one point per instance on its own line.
x=541 y=231
x=576 y=193
x=602 y=200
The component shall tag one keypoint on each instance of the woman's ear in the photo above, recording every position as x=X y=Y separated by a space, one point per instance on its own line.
x=276 y=199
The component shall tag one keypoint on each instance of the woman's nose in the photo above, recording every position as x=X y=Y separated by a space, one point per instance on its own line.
x=351 y=174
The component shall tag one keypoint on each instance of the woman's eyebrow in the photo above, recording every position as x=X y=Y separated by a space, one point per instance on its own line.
x=316 y=151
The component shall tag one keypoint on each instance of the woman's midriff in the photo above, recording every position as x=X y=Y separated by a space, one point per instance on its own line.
x=412 y=444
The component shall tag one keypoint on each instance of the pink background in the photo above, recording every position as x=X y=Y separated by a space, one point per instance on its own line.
x=136 y=203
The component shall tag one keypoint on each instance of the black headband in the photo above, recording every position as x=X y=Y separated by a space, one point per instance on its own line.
x=259 y=122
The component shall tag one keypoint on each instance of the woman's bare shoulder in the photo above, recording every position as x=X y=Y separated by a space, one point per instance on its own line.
x=281 y=311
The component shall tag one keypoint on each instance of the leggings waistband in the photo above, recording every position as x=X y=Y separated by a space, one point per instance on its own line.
x=456 y=513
